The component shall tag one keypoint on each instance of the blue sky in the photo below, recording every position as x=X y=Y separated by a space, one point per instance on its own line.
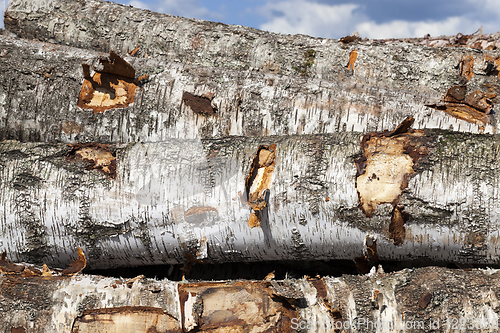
x=334 y=19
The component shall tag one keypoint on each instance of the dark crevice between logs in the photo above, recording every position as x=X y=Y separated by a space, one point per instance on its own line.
x=112 y=87
x=370 y=257
x=384 y=169
x=283 y=269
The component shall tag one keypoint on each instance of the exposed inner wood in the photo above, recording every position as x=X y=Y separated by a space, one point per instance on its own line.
x=474 y=107
x=492 y=64
x=97 y=157
x=467 y=67
x=112 y=87
x=201 y=105
x=125 y=319
x=387 y=166
x=229 y=307
x=258 y=182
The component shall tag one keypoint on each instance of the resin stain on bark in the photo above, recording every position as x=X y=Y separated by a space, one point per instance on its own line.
x=258 y=182
x=112 y=87
x=200 y=214
x=352 y=59
x=425 y=300
x=201 y=105
x=71 y=127
x=397 y=227
x=96 y=156
x=8 y=267
x=77 y=265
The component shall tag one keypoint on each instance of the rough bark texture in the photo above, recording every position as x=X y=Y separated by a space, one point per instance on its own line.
x=258 y=83
x=170 y=202
x=254 y=150
x=420 y=300
x=41 y=85
x=103 y=26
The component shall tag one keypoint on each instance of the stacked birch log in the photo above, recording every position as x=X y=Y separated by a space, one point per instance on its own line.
x=150 y=139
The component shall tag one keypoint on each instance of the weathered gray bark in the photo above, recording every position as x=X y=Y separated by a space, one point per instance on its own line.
x=198 y=197
x=179 y=199
x=103 y=26
x=420 y=300
x=40 y=86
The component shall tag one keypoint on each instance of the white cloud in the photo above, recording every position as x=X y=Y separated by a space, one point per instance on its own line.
x=335 y=21
x=450 y=26
x=309 y=18
x=185 y=8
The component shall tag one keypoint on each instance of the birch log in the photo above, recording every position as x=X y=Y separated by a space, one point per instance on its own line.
x=420 y=300
x=48 y=93
x=102 y=26
x=421 y=195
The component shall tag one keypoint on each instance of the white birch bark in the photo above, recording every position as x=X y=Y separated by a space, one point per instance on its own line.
x=182 y=198
x=41 y=83
x=420 y=300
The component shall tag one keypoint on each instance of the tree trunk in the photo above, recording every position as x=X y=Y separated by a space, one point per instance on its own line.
x=420 y=300
x=106 y=26
x=210 y=143
x=395 y=196
x=259 y=83
x=43 y=98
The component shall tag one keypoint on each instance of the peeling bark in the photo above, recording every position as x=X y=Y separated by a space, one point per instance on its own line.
x=182 y=201
x=104 y=26
x=112 y=87
x=39 y=96
x=207 y=188
x=257 y=83
x=420 y=300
